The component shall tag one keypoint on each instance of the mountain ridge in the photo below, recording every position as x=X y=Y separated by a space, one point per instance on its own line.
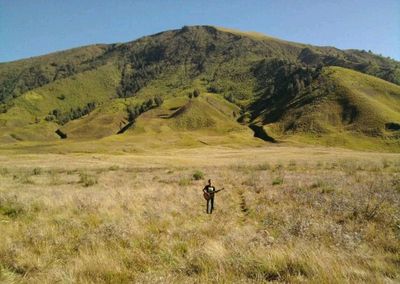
x=263 y=77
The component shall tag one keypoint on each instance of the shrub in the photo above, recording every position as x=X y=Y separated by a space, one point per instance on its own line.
x=277 y=181
x=73 y=113
x=230 y=98
x=135 y=110
x=158 y=101
x=213 y=89
x=87 y=180
x=25 y=179
x=114 y=168
x=198 y=175
x=263 y=167
x=37 y=171
x=278 y=167
x=196 y=93
x=50 y=117
x=11 y=209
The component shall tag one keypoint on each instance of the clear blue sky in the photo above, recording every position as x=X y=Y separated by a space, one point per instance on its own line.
x=35 y=27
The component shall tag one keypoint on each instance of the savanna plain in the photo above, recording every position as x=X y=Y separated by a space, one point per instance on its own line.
x=287 y=214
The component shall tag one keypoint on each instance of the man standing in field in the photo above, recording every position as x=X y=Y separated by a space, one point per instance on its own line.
x=209 y=191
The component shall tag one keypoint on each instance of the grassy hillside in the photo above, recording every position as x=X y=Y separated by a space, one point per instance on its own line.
x=21 y=76
x=34 y=107
x=206 y=120
x=338 y=107
x=295 y=92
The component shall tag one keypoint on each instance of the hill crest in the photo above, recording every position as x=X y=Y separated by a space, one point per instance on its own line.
x=252 y=79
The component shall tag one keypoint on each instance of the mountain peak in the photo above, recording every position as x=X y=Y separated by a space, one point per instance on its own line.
x=246 y=81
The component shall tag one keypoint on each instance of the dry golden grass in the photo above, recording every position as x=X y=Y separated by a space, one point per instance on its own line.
x=288 y=215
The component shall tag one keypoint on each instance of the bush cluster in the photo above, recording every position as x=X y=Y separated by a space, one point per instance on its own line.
x=135 y=110
x=198 y=175
x=74 y=113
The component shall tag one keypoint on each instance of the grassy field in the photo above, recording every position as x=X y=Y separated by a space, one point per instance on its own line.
x=288 y=214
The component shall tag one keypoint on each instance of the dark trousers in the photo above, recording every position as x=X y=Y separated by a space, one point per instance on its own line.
x=210 y=205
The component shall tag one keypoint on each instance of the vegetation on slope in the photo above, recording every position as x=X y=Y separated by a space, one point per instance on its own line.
x=291 y=88
x=339 y=103
x=62 y=96
x=21 y=76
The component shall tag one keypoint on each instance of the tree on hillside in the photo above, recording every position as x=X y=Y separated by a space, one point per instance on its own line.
x=149 y=103
x=135 y=110
x=196 y=93
x=158 y=101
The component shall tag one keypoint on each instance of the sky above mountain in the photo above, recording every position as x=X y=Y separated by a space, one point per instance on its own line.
x=30 y=28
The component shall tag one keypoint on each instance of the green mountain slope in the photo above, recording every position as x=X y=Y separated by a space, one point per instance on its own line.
x=33 y=110
x=340 y=107
x=140 y=89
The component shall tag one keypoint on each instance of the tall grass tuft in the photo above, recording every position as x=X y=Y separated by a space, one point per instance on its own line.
x=87 y=180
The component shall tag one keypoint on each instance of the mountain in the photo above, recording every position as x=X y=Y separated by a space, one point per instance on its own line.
x=203 y=85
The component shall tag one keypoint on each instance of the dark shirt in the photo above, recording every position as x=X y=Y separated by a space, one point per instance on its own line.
x=209 y=189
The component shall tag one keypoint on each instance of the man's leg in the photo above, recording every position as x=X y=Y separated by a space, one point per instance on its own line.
x=212 y=204
x=208 y=206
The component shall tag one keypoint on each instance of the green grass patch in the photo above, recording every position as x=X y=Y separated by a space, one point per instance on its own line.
x=198 y=175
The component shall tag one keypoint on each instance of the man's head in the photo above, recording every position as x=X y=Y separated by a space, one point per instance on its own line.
x=209 y=182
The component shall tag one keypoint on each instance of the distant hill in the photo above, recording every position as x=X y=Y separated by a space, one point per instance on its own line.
x=204 y=83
